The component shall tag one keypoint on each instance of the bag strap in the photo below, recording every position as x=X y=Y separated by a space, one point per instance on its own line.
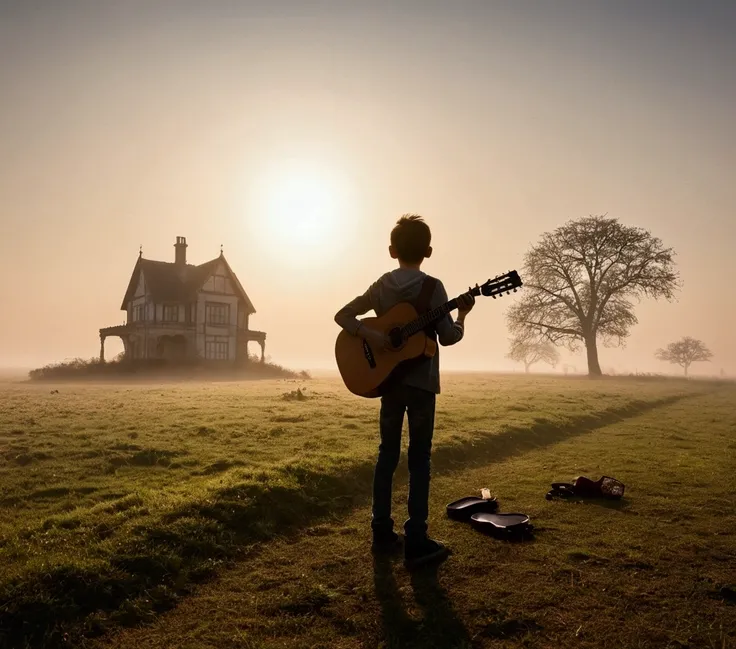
x=421 y=304
x=561 y=490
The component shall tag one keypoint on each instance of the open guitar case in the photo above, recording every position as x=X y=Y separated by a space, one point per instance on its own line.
x=482 y=514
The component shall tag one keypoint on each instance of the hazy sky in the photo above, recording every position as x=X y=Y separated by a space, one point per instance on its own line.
x=129 y=123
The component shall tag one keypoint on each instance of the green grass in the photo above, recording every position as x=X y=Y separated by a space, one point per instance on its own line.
x=119 y=502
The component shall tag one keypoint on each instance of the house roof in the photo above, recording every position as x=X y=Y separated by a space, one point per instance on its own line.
x=167 y=283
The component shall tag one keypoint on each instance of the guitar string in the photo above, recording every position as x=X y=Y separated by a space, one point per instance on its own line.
x=423 y=321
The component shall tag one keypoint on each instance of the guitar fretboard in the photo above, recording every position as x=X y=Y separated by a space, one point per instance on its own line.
x=508 y=282
x=423 y=321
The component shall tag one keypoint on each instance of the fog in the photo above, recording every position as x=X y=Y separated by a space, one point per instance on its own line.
x=129 y=124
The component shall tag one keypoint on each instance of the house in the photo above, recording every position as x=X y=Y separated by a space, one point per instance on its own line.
x=181 y=311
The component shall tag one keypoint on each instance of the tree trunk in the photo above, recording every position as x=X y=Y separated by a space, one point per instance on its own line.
x=594 y=367
x=526 y=367
x=685 y=366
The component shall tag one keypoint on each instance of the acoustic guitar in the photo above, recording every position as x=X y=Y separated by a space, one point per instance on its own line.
x=365 y=369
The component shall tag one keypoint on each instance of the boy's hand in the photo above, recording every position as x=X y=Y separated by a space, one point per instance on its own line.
x=375 y=338
x=465 y=303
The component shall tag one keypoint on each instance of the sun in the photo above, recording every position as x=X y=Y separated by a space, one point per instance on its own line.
x=304 y=205
x=302 y=209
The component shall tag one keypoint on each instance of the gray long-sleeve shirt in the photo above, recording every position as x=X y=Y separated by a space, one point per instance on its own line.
x=403 y=285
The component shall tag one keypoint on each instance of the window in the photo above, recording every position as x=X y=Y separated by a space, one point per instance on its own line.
x=216 y=350
x=139 y=312
x=217 y=313
x=171 y=313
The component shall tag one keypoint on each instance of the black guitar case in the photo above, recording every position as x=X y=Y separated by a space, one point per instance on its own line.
x=503 y=526
x=482 y=515
x=463 y=509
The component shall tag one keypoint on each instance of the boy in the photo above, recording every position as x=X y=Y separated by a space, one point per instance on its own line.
x=413 y=391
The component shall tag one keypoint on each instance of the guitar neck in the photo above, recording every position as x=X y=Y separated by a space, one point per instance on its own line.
x=492 y=288
x=423 y=321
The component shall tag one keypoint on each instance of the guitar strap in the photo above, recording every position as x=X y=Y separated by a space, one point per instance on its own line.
x=423 y=302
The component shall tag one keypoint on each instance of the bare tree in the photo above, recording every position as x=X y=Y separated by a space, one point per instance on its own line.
x=529 y=352
x=684 y=352
x=580 y=282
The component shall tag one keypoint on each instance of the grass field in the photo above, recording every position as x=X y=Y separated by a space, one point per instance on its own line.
x=236 y=515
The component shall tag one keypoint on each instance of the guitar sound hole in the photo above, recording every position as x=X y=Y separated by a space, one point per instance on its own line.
x=395 y=338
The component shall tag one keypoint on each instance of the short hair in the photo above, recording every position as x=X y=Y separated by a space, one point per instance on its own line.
x=410 y=238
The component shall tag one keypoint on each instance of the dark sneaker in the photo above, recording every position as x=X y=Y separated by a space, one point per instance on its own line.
x=386 y=542
x=423 y=552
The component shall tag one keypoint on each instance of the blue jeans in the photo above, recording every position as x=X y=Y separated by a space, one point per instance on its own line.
x=419 y=405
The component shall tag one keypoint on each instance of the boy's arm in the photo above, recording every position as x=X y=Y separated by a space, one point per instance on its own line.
x=347 y=319
x=347 y=316
x=449 y=331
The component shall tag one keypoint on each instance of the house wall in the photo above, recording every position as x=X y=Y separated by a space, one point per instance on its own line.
x=218 y=289
x=139 y=298
x=151 y=328
x=137 y=344
x=209 y=332
x=242 y=317
x=159 y=309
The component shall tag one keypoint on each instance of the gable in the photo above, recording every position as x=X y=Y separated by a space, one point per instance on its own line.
x=238 y=287
x=132 y=284
x=221 y=279
x=141 y=290
x=219 y=284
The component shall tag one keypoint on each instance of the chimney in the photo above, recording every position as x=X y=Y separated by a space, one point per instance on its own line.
x=181 y=251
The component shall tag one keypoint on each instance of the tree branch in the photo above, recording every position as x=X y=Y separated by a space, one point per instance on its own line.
x=561 y=330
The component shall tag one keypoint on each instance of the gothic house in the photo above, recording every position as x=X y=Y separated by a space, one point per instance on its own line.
x=181 y=311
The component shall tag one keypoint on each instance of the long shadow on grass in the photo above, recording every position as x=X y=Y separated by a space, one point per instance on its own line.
x=440 y=626
x=496 y=447
x=148 y=572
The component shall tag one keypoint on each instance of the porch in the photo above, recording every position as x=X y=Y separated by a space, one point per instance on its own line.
x=246 y=336
x=164 y=341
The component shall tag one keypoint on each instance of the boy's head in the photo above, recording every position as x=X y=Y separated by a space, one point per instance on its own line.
x=410 y=240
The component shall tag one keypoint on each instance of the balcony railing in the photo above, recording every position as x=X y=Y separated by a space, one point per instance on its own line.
x=197 y=327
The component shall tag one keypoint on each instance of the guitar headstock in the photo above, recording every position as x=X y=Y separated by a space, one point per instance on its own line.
x=501 y=284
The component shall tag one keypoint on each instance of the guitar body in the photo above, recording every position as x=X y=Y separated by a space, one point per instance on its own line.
x=364 y=369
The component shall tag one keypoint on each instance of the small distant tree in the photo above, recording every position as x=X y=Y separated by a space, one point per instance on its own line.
x=684 y=352
x=530 y=351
